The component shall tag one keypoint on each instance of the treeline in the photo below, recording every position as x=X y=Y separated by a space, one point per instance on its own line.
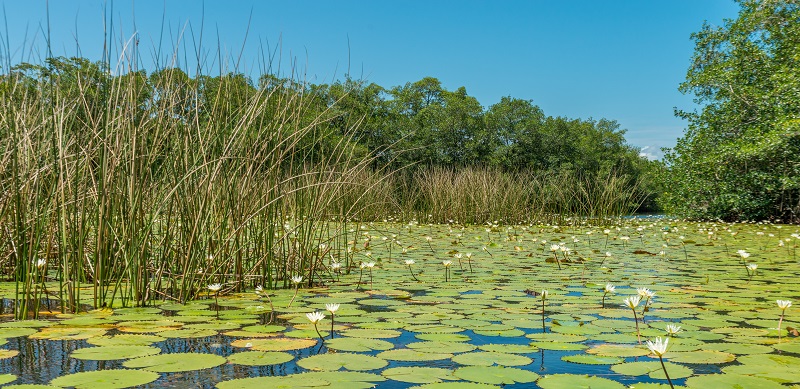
x=740 y=156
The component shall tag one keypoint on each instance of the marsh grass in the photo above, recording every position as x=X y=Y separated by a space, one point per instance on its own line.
x=149 y=187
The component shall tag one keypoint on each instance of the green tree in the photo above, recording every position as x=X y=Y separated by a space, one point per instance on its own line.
x=740 y=155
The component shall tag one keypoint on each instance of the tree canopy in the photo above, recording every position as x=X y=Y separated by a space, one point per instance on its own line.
x=739 y=158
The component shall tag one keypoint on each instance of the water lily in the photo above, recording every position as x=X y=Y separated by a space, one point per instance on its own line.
x=469 y=260
x=751 y=271
x=41 y=262
x=370 y=265
x=332 y=308
x=648 y=295
x=554 y=248
x=659 y=348
x=783 y=305
x=408 y=263
x=447 y=264
x=672 y=329
x=215 y=288
x=608 y=289
x=296 y=280
x=314 y=318
x=633 y=302
x=336 y=267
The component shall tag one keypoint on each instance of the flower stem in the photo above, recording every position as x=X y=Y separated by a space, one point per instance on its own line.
x=412 y=273
x=296 y=287
x=332 y=316
x=318 y=334
x=543 y=329
x=665 y=372
x=636 y=320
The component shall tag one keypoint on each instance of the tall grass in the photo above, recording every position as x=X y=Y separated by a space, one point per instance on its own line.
x=134 y=188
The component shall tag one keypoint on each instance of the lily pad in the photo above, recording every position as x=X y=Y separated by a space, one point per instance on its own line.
x=275 y=344
x=418 y=375
x=491 y=358
x=653 y=369
x=106 y=379
x=110 y=353
x=358 y=344
x=412 y=355
x=347 y=361
x=170 y=363
x=499 y=375
x=592 y=359
x=577 y=381
x=730 y=381
x=259 y=358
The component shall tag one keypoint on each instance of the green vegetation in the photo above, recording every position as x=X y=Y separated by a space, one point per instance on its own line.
x=708 y=320
x=740 y=157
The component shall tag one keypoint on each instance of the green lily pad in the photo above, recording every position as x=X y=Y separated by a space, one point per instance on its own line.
x=455 y=385
x=577 y=381
x=592 y=359
x=700 y=357
x=347 y=361
x=441 y=347
x=106 y=379
x=499 y=375
x=259 y=358
x=358 y=344
x=509 y=348
x=6 y=378
x=482 y=358
x=408 y=355
x=730 y=381
x=275 y=344
x=653 y=369
x=616 y=350
x=5 y=354
x=125 y=340
x=170 y=363
x=418 y=375
x=110 y=353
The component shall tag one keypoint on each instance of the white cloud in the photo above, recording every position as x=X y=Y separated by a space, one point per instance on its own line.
x=651 y=152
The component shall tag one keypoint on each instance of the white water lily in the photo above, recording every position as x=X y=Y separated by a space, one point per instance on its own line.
x=41 y=262
x=370 y=265
x=659 y=347
x=259 y=289
x=554 y=247
x=297 y=279
x=336 y=266
x=409 y=262
x=632 y=302
x=315 y=317
x=609 y=288
x=447 y=263
x=743 y=254
x=672 y=329
x=215 y=287
x=332 y=308
x=783 y=304
x=645 y=293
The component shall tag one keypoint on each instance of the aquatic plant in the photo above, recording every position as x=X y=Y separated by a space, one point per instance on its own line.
x=783 y=305
x=409 y=262
x=447 y=264
x=296 y=280
x=332 y=308
x=315 y=317
x=215 y=288
x=659 y=348
x=543 y=295
x=609 y=288
x=632 y=302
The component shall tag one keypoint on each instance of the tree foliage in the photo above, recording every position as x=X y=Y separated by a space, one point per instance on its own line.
x=740 y=156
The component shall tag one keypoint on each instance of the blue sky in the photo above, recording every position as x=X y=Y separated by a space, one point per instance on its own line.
x=615 y=59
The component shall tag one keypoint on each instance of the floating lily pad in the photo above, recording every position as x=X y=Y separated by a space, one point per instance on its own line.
x=412 y=355
x=106 y=379
x=491 y=358
x=338 y=361
x=730 y=381
x=499 y=375
x=592 y=359
x=616 y=350
x=418 y=375
x=259 y=358
x=577 y=381
x=358 y=344
x=441 y=347
x=509 y=348
x=125 y=340
x=169 y=363
x=653 y=369
x=110 y=353
x=275 y=344
x=455 y=385
x=5 y=354
x=700 y=357
x=6 y=378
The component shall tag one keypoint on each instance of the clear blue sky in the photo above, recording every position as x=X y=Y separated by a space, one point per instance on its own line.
x=613 y=59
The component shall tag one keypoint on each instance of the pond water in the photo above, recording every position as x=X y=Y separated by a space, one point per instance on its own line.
x=480 y=329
